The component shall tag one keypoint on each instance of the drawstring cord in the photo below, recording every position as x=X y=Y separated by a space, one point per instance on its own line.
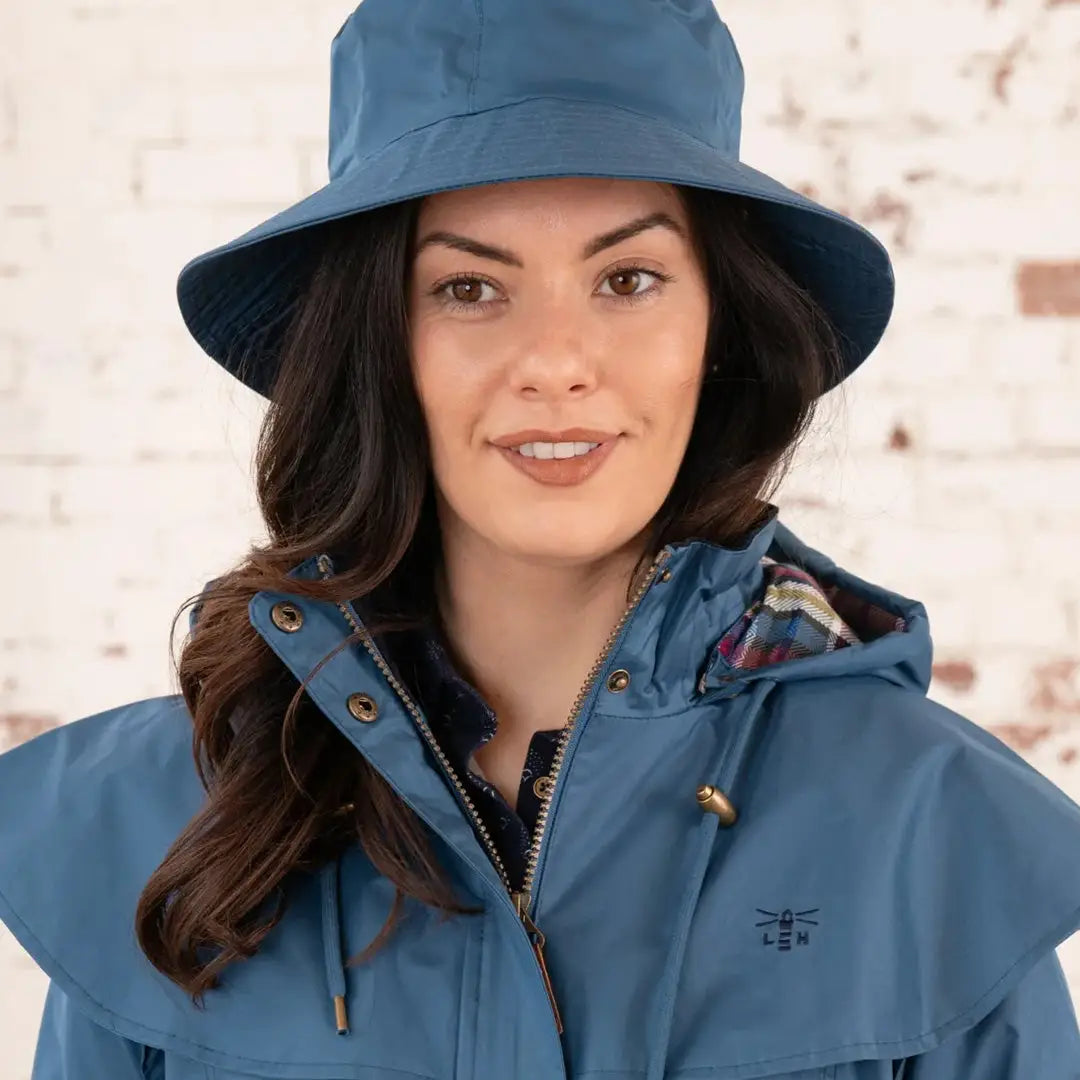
x=713 y=799
x=330 y=886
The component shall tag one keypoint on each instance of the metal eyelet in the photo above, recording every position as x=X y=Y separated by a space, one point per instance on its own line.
x=618 y=681
x=362 y=707
x=713 y=801
x=286 y=616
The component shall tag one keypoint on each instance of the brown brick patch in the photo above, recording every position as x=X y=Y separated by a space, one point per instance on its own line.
x=1021 y=737
x=956 y=674
x=1057 y=686
x=899 y=438
x=1048 y=288
x=17 y=727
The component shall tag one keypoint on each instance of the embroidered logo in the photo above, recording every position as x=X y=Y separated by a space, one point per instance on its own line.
x=784 y=924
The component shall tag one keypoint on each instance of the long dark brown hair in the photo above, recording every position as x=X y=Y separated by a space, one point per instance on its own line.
x=342 y=467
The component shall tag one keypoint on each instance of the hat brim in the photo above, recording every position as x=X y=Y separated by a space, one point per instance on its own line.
x=235 y=299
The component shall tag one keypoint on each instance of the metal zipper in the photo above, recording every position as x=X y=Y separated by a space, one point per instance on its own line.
x=326 y=567
x=523 y=899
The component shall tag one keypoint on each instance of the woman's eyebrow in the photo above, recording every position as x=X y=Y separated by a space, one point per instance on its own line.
x=659 y=219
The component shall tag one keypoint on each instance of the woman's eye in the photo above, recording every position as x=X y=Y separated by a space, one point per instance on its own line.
x=628 y=278
x=465 y=291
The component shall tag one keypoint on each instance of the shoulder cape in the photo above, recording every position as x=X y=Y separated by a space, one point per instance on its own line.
x=974 y=873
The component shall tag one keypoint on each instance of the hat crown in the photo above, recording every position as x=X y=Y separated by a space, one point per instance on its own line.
x=400 y=65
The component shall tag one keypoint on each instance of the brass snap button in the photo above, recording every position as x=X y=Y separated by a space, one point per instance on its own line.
x=666 y=575
x=713 y=801
x=541 y=786
x=618 y=680
x=286 y=616
x=362 y=707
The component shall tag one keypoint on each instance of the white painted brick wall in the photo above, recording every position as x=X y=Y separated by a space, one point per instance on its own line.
x=137 y=133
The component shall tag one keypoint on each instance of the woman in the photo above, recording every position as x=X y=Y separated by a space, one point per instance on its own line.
x=532 y=744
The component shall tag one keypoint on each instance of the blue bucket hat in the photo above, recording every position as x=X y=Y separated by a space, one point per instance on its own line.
x=429 y=95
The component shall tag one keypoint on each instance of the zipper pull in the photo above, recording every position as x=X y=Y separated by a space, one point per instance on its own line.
x=536 y=937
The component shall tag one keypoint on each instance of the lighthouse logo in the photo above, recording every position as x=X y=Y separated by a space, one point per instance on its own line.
x=782 y=928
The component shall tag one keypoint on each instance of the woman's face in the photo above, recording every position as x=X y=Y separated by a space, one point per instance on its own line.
x=544 y=305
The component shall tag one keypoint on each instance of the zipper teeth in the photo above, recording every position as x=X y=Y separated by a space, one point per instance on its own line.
x=564 y=735
x=524 y=898
x=429 y=736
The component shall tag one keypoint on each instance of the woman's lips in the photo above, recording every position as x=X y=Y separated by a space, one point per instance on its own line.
x=560 y=472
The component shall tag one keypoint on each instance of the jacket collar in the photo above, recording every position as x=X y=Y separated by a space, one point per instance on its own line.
x=669 y=645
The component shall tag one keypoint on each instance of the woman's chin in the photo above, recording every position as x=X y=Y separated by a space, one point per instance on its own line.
x=573 y=541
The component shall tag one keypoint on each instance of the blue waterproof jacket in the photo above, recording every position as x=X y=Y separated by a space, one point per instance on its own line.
x=802 y=869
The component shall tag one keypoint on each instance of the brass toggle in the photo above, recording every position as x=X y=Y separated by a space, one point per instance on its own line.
x=713 y=801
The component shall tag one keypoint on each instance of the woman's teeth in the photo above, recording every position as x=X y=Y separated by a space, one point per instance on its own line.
x=555 y=450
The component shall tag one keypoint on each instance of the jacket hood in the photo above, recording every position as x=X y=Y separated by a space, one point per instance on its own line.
x=793 y=689
x=803 y=617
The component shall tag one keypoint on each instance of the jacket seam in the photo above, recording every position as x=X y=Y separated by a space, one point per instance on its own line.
x=684 y=710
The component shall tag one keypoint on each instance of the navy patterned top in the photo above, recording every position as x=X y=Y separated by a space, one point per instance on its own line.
x=461 y=722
